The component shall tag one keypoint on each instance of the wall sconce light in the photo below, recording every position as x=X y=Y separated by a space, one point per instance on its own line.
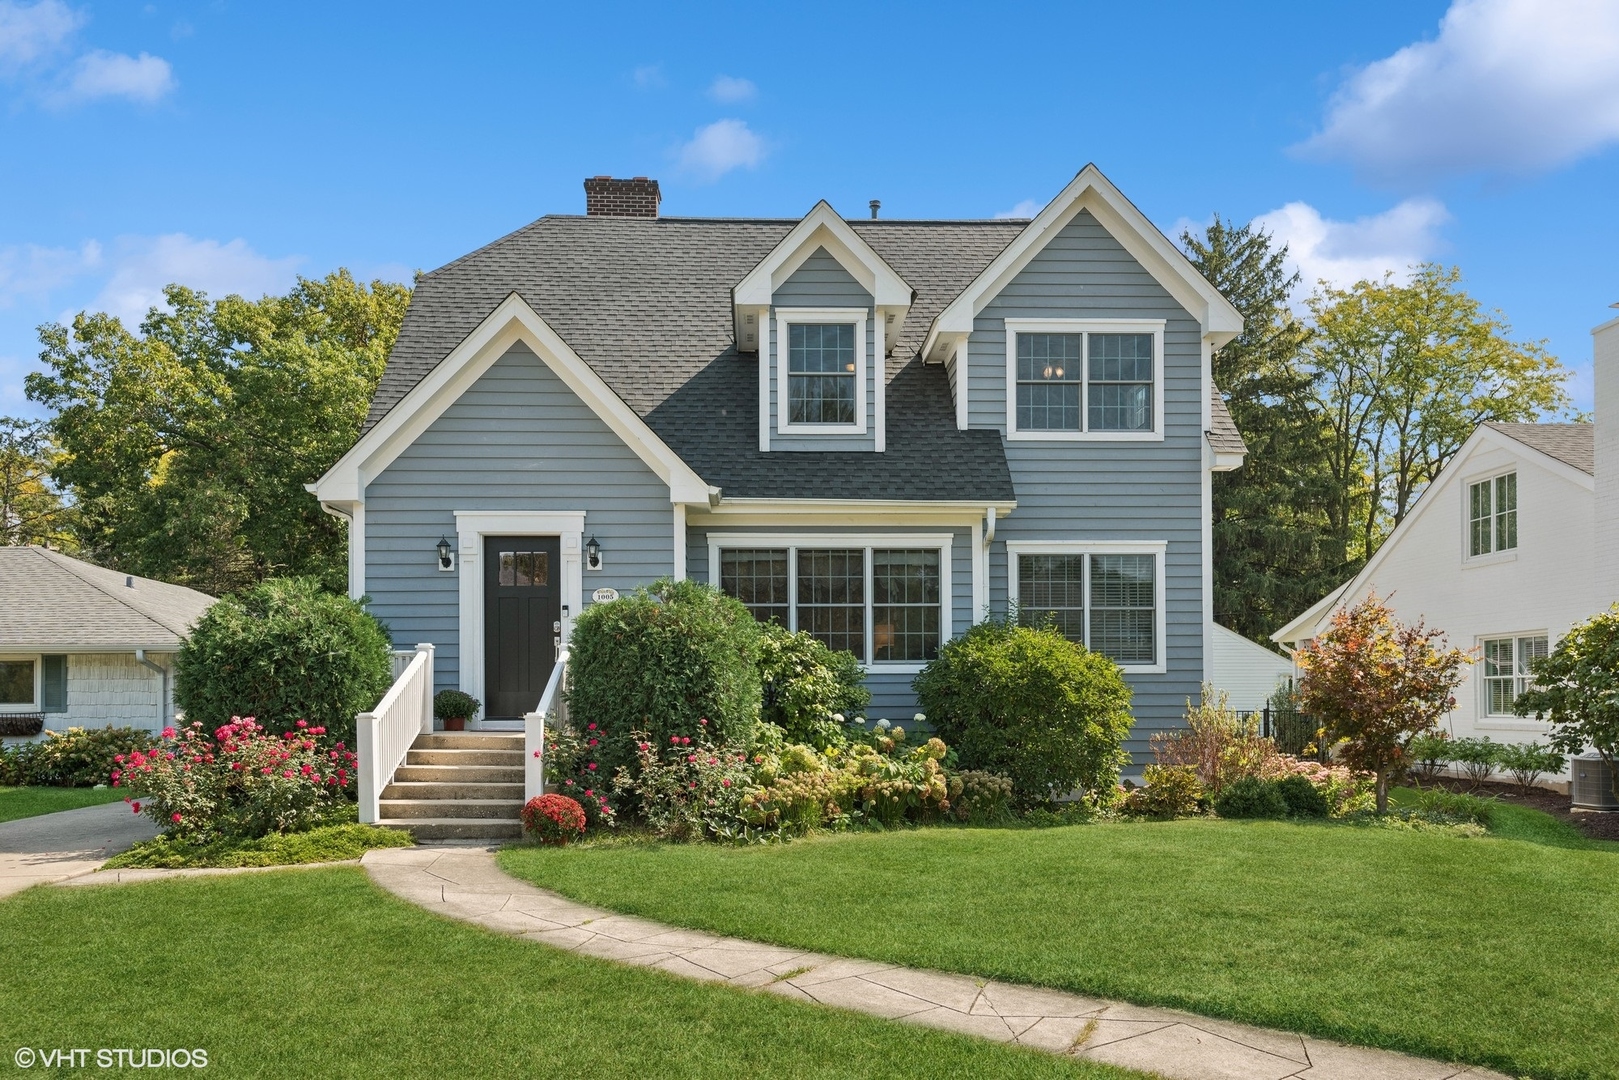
x=593 y=555
x=446 y=555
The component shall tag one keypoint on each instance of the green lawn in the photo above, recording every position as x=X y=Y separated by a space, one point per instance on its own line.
x=21 y=802
x=319 y=973
x=1491 y=951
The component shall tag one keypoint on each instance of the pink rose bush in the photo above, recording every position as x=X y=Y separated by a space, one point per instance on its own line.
x=242 y=781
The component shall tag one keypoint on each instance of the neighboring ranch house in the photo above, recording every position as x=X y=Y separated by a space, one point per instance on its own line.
x=83 y=646
x=877 y=431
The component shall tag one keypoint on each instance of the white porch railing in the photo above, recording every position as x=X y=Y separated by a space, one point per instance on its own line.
x=401 y=660
x=383 y=735
x=553 y=700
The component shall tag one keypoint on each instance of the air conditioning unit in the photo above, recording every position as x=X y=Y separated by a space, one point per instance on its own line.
x=1593 y=783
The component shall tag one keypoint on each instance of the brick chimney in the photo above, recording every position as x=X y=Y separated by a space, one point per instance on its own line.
x=607 y=197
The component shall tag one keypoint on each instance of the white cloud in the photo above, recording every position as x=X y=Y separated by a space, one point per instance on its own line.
x=648 y=76
x=1028 y=208
x=101 y=74
x=29 y=33
x=720 y=147
x=727 y=89
x=1508 y=86
x=1344 y=252
x=32 y=272
x=143 y=265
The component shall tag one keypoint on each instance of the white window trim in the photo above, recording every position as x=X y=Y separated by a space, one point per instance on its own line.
x=793 y=541
x=38 y=704
x=1510 y=720
x=1156 y=548
x=1494 y=555
x=1155 y=327
x=786 y=317
x=471 y=527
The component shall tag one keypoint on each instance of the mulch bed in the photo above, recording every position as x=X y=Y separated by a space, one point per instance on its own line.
x=1597 y=824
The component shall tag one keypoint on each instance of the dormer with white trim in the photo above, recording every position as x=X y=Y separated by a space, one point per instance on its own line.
x=821 y=312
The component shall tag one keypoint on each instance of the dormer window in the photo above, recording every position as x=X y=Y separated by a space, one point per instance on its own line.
x=1084 y=379
x=820 y=373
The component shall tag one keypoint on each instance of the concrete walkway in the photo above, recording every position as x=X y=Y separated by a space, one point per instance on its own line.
x=51 y=847
x=466 y=884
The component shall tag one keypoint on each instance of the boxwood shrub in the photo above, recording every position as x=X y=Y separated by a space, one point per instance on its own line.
x=1028 y=703
x=284 y=651
x=659 y=660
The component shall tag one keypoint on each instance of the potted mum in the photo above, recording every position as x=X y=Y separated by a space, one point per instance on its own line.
x=454 y=708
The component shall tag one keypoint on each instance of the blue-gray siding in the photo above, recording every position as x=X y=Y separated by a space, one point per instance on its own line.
x=822 y=282
x=518 y=439
x=891 y=694
x=1107 y=491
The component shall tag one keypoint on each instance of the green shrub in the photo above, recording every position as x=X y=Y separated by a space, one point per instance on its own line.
x=1171 y=791
x=1303 y=799
x=1477 y=757
x=984 y=799
x=1527 y=761
x=281 y=652
x=659 y=660
x=1251 y=797
x=1442 y=807
x=1029 y=704
x=809 y=690
x=77 y=757
x=454 y=705
x=1430 y=753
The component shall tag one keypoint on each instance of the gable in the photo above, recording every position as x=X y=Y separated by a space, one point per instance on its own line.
x=821 y=281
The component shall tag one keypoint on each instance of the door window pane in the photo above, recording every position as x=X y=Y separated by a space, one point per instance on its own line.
x=1120 y=388
x=1123 y=608
x=832 y=597
x=525 y=568
x=1048 y=382
x=758 y=578
x=16 y=682
x=1052 y=587
x=905 y=604
x=821 y=373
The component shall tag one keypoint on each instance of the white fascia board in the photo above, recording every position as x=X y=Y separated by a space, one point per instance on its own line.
x=1304 y=626
x=511 y=323
x=1223 y=462
x=823 y=227
x=1092 y=191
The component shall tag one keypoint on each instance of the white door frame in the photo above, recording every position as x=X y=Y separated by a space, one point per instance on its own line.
x=471 y=527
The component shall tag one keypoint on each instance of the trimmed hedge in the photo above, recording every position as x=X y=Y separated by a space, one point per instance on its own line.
x=281 y=652
x=1028 y=703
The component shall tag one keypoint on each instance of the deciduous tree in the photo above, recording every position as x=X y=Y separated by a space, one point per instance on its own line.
x=31 y=510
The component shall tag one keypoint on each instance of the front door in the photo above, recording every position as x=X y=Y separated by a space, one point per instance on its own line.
x=522 y=604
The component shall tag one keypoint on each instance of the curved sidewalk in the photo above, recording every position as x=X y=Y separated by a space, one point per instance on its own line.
x=51 y=847
x=466 y=884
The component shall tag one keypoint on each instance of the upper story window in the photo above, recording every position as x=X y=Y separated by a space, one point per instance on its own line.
x=820 y=373
x=1506 y=669
x=1492 y=515
x=1084 y=379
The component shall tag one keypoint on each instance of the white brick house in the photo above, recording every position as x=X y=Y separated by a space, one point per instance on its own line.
x=83 y=646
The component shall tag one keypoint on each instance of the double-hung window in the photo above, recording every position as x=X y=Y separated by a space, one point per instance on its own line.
x=1108 y=597
x=885 y=600
x=18 y=683
x=1492 y=515
x=1506 y=669
x=1084 y=379
x=821 y=371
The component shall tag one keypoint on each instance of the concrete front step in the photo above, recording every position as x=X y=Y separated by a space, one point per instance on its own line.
x=469 y=740
x=457 y=789
x=451 y=808
x=508 y=758
x=457 y=828
x=458 y=774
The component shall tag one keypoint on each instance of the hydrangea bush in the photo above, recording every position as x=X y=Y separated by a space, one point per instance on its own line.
x=240 y=782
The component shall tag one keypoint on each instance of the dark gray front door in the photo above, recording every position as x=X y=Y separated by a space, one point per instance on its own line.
x=522 y=604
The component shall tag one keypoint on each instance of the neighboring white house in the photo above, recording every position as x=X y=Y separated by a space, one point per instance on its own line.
x=83 y=646
x=1501 y=553
x=1245 y=671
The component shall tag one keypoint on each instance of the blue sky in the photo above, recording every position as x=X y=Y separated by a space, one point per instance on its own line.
x=232 y=146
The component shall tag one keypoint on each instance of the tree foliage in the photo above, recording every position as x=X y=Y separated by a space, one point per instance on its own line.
x=1375 y=684
x=186 y=445
x=1577 y=689
x=31 y=509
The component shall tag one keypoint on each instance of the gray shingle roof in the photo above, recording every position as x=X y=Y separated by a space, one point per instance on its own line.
x=1223 y=434
x=53 y=602
x=1572 y=444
